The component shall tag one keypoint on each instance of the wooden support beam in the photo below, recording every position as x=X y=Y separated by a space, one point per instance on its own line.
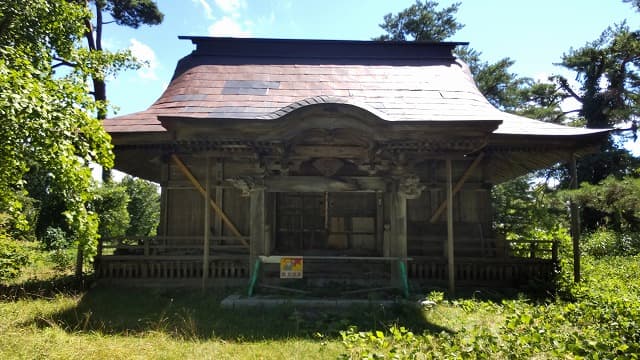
x=458 y=185
x=324 y=184
x=575 y=221
x=185 y=171
x=450 y=248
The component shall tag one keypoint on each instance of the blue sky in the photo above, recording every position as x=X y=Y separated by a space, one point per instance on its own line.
x=533 y=33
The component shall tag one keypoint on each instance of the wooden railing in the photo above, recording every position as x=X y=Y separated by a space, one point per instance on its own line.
x=516 y=263
x=166 y=259
x=532 y=249
x=489 y=271
x=170 y=245
x=170 y=267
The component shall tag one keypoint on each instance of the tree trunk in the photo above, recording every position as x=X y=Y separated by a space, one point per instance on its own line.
x=79 y=262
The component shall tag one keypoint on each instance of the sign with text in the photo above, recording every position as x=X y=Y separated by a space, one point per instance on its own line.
x=291 y=268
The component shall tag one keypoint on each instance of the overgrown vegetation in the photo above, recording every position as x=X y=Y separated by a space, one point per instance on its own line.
x=41 y=316
x=601 y=322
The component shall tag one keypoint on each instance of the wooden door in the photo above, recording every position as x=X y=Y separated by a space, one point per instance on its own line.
x=300 y=222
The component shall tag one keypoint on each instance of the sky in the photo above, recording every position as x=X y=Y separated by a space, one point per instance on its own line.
x=533 y=33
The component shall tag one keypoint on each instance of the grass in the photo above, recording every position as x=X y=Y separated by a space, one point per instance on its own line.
x=51 y=316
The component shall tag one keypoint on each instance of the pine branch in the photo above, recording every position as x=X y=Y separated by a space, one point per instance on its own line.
x=564 y=85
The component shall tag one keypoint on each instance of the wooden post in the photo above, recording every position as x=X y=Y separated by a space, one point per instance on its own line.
x=450 y=248
x=380 y=224
x=207 y=226
x=257 y=225
x=219 y=194
x=398 y=221
x=575 y=221
x=164 y=200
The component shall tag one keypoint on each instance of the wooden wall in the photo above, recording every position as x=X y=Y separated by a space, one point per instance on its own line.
x=185 y=205
x=352 y=222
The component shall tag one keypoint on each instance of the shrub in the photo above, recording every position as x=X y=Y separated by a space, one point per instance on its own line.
x=14 y=255
x=605 y=242
x=55 y=239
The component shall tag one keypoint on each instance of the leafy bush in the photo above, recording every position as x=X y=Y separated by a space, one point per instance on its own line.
x=13 y=257
x=55 y=239
x=143 y=206
x=605 y=242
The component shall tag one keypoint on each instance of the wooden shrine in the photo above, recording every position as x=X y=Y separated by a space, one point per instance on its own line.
x=363 y=158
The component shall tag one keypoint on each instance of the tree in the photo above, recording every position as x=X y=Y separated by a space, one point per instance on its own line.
x=143 y=207
x=609 y=94
x=131 y=13
x=525 y=208
x=110 y=202
x=45 y=118
x=421 y=22
x=608 y=71
x=634 y=3
x=540 y=100
x=95 y=63
x=616 y=200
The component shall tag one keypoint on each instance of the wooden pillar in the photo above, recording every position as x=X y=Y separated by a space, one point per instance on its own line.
x=398 y=228
x=380 y=243
x=164 y=200
x=219 y=177
x=257 y=225
x=575 y=221
x=450 y=248
x=207 y=225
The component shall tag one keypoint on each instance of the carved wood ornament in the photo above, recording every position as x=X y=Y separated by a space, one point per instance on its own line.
x=328 y=166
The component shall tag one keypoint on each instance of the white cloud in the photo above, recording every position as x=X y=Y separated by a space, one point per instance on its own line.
x=145 y=54
x=228 y=27
x=207 y=8
x=231 y=6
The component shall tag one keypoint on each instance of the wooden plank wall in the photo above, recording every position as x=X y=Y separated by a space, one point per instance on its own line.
x=185 y=204
x=354 y=212
x=472 y=213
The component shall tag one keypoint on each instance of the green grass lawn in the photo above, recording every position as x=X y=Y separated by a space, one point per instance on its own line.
x=54 y=318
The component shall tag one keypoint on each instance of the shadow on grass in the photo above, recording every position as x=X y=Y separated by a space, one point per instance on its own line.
x=194 y=314
x=44 y=288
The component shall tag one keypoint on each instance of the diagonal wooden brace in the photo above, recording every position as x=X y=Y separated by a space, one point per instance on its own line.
x=185 y=171
x=457 y=187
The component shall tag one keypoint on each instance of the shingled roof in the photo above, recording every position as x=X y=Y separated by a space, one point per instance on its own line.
x=265 y=79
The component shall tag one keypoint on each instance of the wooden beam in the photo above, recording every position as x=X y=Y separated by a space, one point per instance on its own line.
x=450 y=260
x=324 y=184
x=458 y=185
x=185 y=171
